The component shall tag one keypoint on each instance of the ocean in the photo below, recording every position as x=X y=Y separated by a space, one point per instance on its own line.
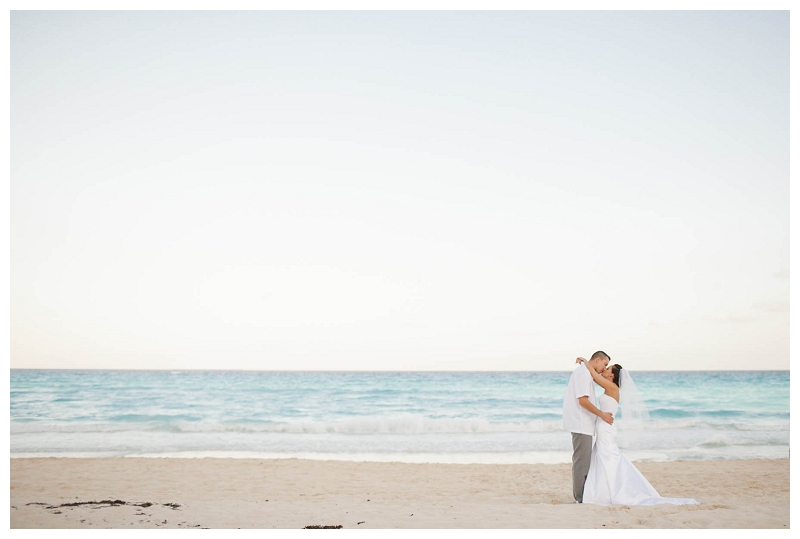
x=451 y=417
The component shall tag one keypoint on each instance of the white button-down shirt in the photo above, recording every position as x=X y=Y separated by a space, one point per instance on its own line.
x=576 y=417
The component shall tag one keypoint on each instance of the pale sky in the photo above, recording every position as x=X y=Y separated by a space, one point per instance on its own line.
x=399 y=190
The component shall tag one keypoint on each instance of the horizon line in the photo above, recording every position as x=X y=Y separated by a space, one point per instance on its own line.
x=367 y=371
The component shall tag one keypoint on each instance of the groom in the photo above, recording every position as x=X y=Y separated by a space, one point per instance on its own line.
x=580 y=414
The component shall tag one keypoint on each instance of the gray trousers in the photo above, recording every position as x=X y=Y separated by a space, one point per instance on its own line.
x=581 y=457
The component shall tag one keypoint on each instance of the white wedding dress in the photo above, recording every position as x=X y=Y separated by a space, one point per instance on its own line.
x=613 y=479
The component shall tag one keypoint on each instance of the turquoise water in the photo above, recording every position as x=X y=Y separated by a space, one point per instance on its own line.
x=409 y=416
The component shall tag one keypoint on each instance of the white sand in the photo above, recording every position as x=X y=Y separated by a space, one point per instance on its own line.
x=234 y=493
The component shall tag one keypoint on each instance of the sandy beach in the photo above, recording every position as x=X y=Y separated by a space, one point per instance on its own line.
x=290 y=494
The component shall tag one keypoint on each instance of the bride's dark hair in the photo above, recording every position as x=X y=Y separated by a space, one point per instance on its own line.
x=616 y=368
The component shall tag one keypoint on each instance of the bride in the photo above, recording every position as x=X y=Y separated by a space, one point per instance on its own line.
x=612 y=479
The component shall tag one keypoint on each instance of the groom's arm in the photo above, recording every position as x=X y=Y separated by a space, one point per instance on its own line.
x=605 y=416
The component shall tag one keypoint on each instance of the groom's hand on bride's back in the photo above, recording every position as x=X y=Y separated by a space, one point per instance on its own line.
x=605 y=416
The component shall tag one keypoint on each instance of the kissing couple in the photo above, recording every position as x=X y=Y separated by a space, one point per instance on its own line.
x=602 y=474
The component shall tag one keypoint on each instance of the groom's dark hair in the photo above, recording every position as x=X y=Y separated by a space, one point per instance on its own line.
x=600 y=353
